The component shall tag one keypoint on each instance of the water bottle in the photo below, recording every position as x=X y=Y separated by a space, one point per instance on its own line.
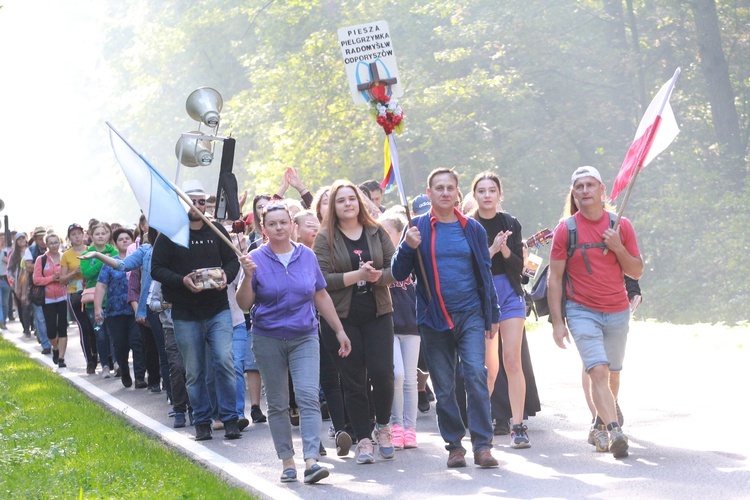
x=98 y=326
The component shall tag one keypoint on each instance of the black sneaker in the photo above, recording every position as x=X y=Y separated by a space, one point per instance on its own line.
x=430 y=395
x=46 y=350
x=179 y=420
x=156 y=388
x=518 y=437
x=502 y=427
x=55 y=355
x=423 y=404
x=256 y=414
x=125 y=379
x=322 y=450
x=315 y=474
x=61 y=363
x=324 y=413
x=202 y=432
x=343 y=443
x=232 y=430
x=140 y=383
x=242 y=423
x=294 y=416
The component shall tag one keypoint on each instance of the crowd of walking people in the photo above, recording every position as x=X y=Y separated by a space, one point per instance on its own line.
x=339 y=308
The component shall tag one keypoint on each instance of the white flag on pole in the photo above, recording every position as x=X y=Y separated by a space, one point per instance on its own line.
x=155 y=194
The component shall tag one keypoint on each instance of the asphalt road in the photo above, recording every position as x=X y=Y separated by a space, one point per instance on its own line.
x=684 y=395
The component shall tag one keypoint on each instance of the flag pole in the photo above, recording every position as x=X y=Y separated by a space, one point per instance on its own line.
x=402 y=194
x=638 y=169
x=420 y=262
x=189 y=202
x=644 y=152
x=179 y=193
x=641 y=157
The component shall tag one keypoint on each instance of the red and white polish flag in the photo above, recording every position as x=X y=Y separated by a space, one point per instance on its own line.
x=657 y=130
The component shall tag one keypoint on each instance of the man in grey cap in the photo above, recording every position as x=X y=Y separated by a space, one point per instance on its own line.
x=597 y=310
x=202 y=321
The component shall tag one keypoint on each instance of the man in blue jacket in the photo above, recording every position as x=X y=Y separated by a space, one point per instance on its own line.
x=456 y=310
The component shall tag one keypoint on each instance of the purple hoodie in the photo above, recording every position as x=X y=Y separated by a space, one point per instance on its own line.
x=284 y=307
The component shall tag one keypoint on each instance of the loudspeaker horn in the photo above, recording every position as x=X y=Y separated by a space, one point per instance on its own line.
x=195 y=152
x=203 y=105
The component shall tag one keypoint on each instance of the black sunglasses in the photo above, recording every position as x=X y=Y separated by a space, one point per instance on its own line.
x=199 y=202
x=275 y=205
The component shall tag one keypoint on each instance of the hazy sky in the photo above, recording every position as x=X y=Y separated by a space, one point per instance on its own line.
x=57 y=167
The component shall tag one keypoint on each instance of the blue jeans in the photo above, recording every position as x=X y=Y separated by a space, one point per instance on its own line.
x=442 y=350
x=5 y=297
x=41 y=326
x=197 y=340
x=299 y=357
x=239 y=345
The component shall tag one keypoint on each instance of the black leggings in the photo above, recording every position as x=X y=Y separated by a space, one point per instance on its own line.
x=329 y=382
x=88 y=337
x=56 y=319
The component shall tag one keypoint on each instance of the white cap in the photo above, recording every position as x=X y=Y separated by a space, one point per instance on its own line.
x=193 y=187
x=585 y=172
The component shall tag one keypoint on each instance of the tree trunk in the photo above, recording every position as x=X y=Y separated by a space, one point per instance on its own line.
x=718 y=85
x=637 y=59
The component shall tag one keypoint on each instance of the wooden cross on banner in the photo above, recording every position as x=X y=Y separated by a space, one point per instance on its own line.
x=376 y=80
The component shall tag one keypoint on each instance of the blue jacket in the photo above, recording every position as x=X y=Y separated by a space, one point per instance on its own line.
x=433 y=313
x=284 y=306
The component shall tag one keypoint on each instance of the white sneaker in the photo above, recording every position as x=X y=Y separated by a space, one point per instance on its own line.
x=106 y=372
x=365 y=452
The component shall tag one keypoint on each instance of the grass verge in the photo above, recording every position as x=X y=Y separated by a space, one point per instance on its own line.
x=56 y=443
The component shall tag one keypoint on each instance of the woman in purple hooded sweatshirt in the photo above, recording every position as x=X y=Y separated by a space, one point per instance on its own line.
x=283 y=285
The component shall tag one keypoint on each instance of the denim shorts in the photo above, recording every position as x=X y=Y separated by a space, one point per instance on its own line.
x=511 y=304
x=250 y=364
x=599 y=337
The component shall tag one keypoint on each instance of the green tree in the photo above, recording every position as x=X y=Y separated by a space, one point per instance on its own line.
x=530 y=89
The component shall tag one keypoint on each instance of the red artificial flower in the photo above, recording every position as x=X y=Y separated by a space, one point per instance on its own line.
x=379 y=92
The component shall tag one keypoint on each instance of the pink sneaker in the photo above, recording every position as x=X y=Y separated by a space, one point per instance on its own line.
x=410 y=439
x=397 y=436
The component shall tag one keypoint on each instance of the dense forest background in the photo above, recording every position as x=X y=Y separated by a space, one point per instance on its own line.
x=530 y=89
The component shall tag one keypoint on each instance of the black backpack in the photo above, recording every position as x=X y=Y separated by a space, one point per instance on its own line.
x=539 y=290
